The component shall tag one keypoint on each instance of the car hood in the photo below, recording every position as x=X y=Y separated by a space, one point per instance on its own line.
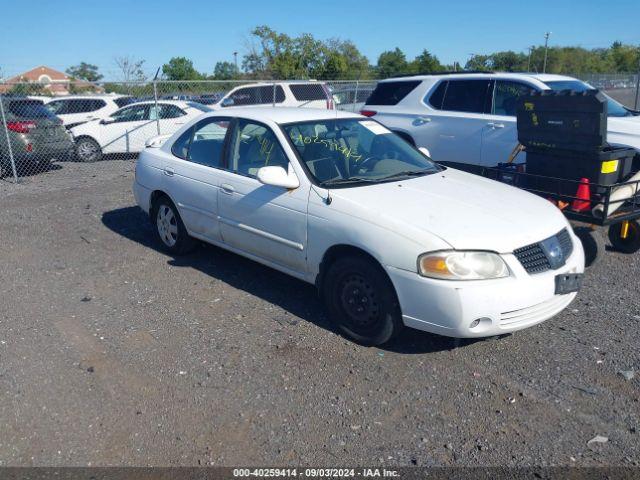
x=464 y=210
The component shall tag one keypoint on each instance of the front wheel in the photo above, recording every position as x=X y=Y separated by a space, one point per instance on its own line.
x=625 y=236
x=361 y=300
x=592 y=243
x=88 y=150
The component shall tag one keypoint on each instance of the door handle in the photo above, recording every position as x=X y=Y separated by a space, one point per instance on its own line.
x=169 y=172
x=422 y=120
x=228 y=189
x=495 y=125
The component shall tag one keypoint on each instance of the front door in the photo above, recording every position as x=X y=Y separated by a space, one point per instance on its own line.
x=125 y=131
x=267 y=222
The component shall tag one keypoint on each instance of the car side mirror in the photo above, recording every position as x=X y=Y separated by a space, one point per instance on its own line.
x=227 y=102
x=106 y=121
x=278 y=177
x=425 y=151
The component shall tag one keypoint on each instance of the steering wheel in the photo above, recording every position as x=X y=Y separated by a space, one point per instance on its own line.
x=362 y=166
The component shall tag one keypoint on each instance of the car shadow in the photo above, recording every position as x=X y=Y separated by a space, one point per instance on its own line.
x=298 y=298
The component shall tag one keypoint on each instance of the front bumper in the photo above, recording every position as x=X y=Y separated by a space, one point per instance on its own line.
x=504 y=305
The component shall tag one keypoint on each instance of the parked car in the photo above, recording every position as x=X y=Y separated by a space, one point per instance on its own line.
x=36 y=136
x=469 y=119
x=389 y=237
x=127 y=129
x=351 y=98
x=309 y=94
x=209 y=98
x=75 y=110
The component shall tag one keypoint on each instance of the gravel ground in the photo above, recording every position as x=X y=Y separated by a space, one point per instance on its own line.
x=113 y=353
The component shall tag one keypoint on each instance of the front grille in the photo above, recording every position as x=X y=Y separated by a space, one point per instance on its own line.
x=533 y=258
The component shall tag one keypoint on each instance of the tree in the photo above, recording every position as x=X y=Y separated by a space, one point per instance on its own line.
x=84 y=71
x=131 y=69
x=392 y=63
x=225 y=71
x=181 y=68
x=425 y=63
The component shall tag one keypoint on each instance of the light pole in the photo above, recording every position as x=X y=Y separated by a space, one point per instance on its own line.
x=546 y=47
x=529 y=60
x=235 y=60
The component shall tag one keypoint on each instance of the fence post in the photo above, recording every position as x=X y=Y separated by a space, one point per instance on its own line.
x=9 y=149
x=355 y=96
x=155 y=99
x=637 y=84
x=274 y=94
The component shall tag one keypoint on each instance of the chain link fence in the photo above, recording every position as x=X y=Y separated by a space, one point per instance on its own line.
x=113 y=121
x=109 y=123
x=622 y=87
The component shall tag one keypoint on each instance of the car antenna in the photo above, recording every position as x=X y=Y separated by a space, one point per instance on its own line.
x=326 y=200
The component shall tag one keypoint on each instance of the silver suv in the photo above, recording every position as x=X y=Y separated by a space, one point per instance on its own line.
x=468 y=119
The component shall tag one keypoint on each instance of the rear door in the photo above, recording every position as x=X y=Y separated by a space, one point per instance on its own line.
x=452 y=131
x=191 y=175
x=500 y=135
x=311 y=95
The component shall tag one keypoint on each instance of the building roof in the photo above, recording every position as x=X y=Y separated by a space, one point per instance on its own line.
x=35 y=74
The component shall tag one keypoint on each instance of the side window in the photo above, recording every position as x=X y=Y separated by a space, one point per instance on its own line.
x=254 y=146
x=506 y=95
x=56 y=107
x=134 y=113
x=165 y=111
x=257 y=95
x=466 y=96
x=436 y=98
x=207 y=142
x=180 y=147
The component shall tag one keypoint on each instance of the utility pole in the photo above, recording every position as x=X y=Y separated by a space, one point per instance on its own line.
x=637 y=83
x=546 y=47
x=529 y=61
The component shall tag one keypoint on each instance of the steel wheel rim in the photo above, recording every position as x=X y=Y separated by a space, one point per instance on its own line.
x=167 y=225
x=359 y=302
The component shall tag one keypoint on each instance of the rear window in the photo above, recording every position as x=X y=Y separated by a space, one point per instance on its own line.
x=123 y=101
x=390 y=93
x=305 y=92
x=29 y=109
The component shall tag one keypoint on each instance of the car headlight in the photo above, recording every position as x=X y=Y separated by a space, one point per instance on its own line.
x=460 y=265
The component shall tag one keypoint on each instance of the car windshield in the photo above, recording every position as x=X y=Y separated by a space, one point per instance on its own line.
x=199 y=106
x=355 y=151
x=614 y=108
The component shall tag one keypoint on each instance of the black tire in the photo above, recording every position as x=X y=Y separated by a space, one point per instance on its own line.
x=88 y=150
x=169 y=230
x=629 y=244
x=592 y=243
x=361 y=300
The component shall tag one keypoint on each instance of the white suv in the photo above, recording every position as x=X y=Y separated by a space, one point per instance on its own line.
x=279 y=94
x=77 y=109
x=469 y=118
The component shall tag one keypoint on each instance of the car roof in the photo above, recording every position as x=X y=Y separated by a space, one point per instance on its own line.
x=281 y=115
x=542 y=77
x=86 y=97
x=178 y=103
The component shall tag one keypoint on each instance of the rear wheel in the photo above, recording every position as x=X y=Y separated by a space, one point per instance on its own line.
x=169 y=229
x=361 y=300
x=88 y=150
x=625 y=236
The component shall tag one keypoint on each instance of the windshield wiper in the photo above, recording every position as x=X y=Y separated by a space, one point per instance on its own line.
x=343 y=181
x=406 y=173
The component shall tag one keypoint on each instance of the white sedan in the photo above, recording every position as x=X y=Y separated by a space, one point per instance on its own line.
x=128 y=129
x=388 y=237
